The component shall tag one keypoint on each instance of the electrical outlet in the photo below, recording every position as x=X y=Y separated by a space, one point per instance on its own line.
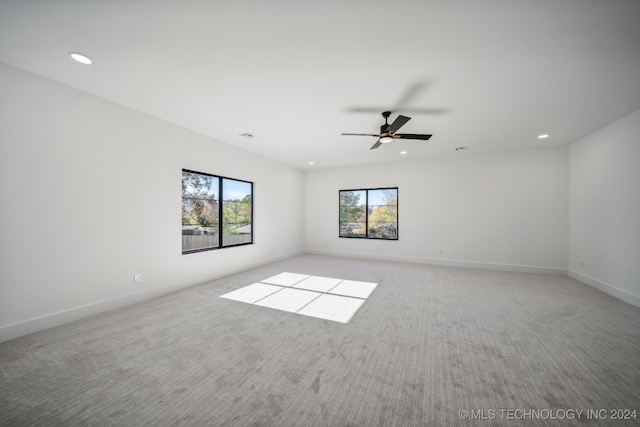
x=581 y=264
x=137 y=278
x=440 y=251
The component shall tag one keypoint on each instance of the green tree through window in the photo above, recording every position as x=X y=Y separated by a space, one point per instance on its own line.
x=369 y=213
x=216 y=212
x=352 y=213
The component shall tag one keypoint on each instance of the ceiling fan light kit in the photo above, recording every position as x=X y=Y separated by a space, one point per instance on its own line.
x=388 y=131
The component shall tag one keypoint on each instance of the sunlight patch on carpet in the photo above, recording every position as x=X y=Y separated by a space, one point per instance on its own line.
x=322 y=297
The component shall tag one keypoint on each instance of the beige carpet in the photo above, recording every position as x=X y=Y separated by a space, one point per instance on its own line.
x=429 y=342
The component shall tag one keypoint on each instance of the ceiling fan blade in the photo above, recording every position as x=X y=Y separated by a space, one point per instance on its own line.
x=398 y=123
x=408 y=110
x=410 y=94
x=412 y=136
x=425 y=110
x=361 y=134
x=366 y=110
x=376 y=145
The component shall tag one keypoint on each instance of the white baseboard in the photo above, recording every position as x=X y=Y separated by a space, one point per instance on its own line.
x=41 y=323
x=18 y=329
x=446 y=262
x=605 y=287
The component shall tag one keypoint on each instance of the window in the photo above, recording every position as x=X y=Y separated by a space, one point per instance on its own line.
x=369 y=213
x=217 y=212
x=237 y=227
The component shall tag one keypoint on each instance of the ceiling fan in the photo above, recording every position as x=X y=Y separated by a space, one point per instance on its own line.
x=388 y=131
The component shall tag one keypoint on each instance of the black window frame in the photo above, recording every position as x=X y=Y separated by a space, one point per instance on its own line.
x=220 y=193
x=366 y=224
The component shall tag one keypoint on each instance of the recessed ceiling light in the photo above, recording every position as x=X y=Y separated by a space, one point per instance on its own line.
x=312 y=163
x=543 y=136
x=403 y=152
x=80 y=58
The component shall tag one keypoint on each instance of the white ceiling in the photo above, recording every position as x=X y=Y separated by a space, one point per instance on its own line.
x=296 y=73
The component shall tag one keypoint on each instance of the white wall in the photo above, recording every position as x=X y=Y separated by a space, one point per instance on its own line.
x=605 y=209
x=91 y=194
x=506 y=210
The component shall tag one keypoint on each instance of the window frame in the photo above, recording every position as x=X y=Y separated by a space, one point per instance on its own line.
x=366 y=223
x=220 y=224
